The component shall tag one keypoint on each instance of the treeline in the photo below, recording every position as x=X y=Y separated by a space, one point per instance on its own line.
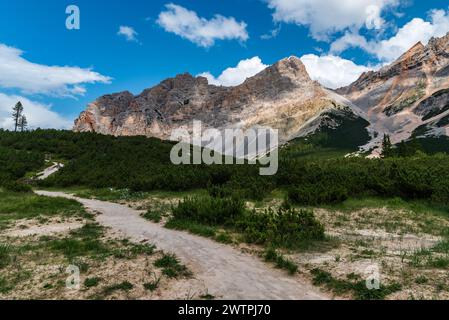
x=333 y=181
x=143 y=164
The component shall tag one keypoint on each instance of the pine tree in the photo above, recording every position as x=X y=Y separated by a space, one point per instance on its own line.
x=387 y=147
x=415 y=146
x=17 y=114
x=23 y=123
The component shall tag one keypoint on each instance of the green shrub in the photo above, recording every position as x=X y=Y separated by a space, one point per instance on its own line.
x=208 y=210
x=154 y=216
x=315 y=194
x=287 y=228
x=191 y=226
x=17 y=187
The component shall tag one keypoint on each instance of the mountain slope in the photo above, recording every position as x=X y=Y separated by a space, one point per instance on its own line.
x=280 y=97
x=410 y=92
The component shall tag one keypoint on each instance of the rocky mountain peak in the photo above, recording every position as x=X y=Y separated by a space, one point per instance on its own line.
x=406 y=94
x=417 y=49
x=283 y=76
x=291 y=67
x=180 y=81
x=282 y=96
x=440 y=43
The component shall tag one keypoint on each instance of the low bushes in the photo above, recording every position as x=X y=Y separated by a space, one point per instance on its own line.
x=140 y=164
x=310 y=194
x=287 y=228
x=18 y=187
x=208 y=210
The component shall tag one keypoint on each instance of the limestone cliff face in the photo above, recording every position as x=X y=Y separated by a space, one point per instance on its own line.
x=406 y=94
x=280 y=97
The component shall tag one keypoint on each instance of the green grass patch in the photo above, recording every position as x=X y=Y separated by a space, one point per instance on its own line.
x=280 y=261
x=6 y=255
x=145 y=249
x=89 y=231
x=436 y=257
x=109 y=194
x=16 y=206
x=192 y=227
x=152 y=285
x=207 y=296
x=352 y=285
x=154 y=216
x=92 y=282
x=123 y=286
x=416 y=206
x=5 y=286
x=224 y=237
x=74 y=248
x=439 y=262
x=171 y=267
x=421 y=280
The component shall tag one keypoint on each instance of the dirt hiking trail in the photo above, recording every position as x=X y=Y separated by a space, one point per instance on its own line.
x=225 y=271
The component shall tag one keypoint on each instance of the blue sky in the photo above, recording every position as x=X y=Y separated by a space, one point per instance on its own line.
x=56 y=72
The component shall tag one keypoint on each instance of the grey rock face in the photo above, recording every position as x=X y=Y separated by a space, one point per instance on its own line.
x=406 y=94
x=280 y=97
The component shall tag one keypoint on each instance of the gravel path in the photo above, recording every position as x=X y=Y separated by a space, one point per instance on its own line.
x=225 y=271
x=49 y=171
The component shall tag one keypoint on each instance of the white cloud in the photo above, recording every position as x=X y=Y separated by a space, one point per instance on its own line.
x=38 y=115
x=272 y=34
x=203 y=32
x=128 y=32
x=411 y=33
x=19 y=73
x=237 y=75
x=332 y=71
x=350 y=39
x=326 y=17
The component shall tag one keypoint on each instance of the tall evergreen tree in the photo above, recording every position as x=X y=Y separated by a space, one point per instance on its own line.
x=387 y=147
x=23 y=123
x=17 y=114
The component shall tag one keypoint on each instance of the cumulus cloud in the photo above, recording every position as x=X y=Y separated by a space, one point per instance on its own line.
x=19 y=73
x=236 y=75
x=38 y=115
x=128 y=32
x=188 y=25
x=332 y=71
x=387 y=50
x=326 y=17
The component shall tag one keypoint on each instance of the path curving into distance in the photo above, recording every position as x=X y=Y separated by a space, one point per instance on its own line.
x=226 y=272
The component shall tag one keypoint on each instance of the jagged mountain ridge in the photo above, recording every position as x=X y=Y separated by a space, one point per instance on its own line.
x=408 y=94
x=282 y=97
